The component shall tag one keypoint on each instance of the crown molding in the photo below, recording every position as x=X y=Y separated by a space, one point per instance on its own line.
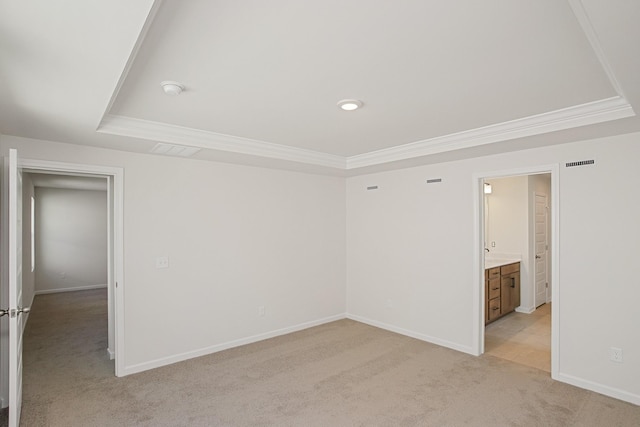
x=580 y=115
x=163 y=132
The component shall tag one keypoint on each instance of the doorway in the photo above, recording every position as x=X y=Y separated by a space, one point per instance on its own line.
x=66 y=234
x=517 y=223
x=112 y=178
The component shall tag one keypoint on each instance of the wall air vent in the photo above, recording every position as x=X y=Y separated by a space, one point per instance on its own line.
x=434 y=180
x=580 y=163
x=174 y=150
x=373 y=187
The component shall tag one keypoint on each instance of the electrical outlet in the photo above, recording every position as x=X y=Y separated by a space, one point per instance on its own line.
x=493 y=244
x=615 y=354
x=261 y=311
x=162 y=262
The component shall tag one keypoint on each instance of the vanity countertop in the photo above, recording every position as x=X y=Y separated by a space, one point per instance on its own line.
x=498 y=262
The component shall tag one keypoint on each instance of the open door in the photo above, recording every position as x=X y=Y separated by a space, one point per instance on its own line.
x=16 y=311
x=540 y=244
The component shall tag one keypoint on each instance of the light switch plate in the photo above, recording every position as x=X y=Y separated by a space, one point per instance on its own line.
x=162 y=262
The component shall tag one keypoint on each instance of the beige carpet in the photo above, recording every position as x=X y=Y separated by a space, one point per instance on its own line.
x=340 y=374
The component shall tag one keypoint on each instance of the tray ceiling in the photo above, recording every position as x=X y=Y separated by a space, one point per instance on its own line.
x=262 y=79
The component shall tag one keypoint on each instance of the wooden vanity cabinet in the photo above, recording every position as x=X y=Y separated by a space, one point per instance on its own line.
x=492 y=293
x=502 y=290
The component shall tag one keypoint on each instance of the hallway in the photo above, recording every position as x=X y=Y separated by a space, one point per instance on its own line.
x=66 y=338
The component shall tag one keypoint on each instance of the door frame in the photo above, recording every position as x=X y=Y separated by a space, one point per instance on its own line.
x=115 y=243
x=478 y=180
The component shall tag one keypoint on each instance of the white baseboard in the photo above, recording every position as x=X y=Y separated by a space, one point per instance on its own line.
x=78 y=288
x=599 y=388
x=140 y=367
x=111 y=353
x=413 y=334
x=526 y=310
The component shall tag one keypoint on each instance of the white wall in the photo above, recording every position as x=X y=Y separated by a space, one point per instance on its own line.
x=71 y=239
x=237 y=238
x=410 y=255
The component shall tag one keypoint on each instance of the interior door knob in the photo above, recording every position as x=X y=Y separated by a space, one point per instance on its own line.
x=4 y=312
x=538 y=257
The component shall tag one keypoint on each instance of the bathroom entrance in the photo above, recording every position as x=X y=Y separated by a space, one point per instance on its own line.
x=516 y=281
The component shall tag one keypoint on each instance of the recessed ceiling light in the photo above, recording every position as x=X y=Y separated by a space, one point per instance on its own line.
x=172 y=88
x=350 y=104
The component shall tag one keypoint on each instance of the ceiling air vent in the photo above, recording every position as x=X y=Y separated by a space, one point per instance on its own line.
x=373 y=187
x=434 y=180
x=174 y=150
x=580 y=163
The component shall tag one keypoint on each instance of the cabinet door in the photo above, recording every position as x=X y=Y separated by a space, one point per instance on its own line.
x=493 y=311
x=510 y=292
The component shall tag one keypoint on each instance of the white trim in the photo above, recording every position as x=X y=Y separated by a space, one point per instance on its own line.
x=118 y=237
x=603 y=110
x=110 y=273
x=79 y=288
x=190 y=137
x=477 y=279
x=140 y=367
x=616 y=393
x=412 y=334
x=526 y=310
x=579 y=115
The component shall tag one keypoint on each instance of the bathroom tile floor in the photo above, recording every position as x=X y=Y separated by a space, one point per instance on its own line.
x=522 y=338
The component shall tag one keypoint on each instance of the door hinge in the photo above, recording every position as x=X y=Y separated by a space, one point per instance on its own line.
x=546 y=285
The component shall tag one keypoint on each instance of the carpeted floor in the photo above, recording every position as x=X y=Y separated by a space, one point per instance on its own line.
x=341 y=374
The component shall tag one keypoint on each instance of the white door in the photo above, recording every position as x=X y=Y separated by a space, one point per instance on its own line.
x=16 y=311
x=541 y=248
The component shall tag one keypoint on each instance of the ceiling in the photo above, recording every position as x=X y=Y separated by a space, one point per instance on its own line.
x=439 y=80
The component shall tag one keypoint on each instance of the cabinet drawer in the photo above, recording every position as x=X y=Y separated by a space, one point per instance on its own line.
x=511 y=268
x=494 y=309
x=493 y=273
x=493 y=290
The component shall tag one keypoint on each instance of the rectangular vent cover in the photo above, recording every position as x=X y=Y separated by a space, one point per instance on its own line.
x=433 y=181
x=174 y=150
x=580 y=163
x=373 y=187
